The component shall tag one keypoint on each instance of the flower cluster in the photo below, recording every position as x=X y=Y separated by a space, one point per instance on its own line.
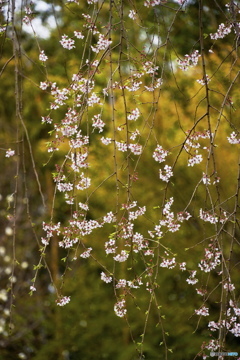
x=78 y=35
x=196 y=159
x=98 y=123
x=149 y=3
x=192 y=280
x=203 y=311
x=102 y=44
x=50 y=229
x=233 y=138
x=166 y=173
x=110 y=247
x=84 y=182
x=63 y=301
x=136 y=149
x=171 y=222
x=204 y=81
x=132 y=14
x=189 y=61
x=168 y=263
x=109 y=218
x=123 y=256
x=208 y=217
x=105 y=278
x=10 y=153
x=150 y=68
x=212 y=259
x=120 y=308
x=86 y=254
x=222 y=31
x=134 y=115
x=160 y=154
x=42 y=56
x=67 y=43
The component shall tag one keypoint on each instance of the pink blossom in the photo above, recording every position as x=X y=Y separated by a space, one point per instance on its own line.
x=136 y=149
x=78 y=35
x=203 y=311
x=233 y=138
x=98 y=123
x=42 y=56
x=222 y=31
x=122 y=256
x=109 y=218
x=189 y=61
x=132 y=14
x=106 y=141
x=120 y=309
x=197 y=159
x=121 y=146
x=84 y=182
x=122 y=283
x=134 y=115
x=86 y=254
x=105 y=278
x=168 y=263
x=160 y=154
x=149 y=3
x=166 y=173
x=63 y=301
x=102 y=44
x=67 y=43
x=10 y=153
x=110 y=247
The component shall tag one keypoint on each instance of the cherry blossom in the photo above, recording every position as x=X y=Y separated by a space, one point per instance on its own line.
x=233 y=138
x=67 y=43
x=192 y=280
x=78 y=35
x=134 y=115
x=189 y=61
x=122 y=256
x=98 y=123
x=222 y=31
x=105 y=278
x=102 y=44
x=10 y=153
x=42 y=56
x=160 y=154
x=63 y=301
x=86 y=253
x=120 y=308
x=149 y=3
x=132 y=14
x=203 y=311
x=106 y=141
x=168 y=263
x=166 y=173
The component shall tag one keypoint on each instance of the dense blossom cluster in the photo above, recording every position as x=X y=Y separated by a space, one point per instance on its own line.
x=102 y=44
x=160 y=154
x=222 y=31
x=10 y=153
x=63 y=301
x=166 y=173
x=120 y=308
x=212 y=259
x=233 y=138
x=189 y=61
x=67 y=43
